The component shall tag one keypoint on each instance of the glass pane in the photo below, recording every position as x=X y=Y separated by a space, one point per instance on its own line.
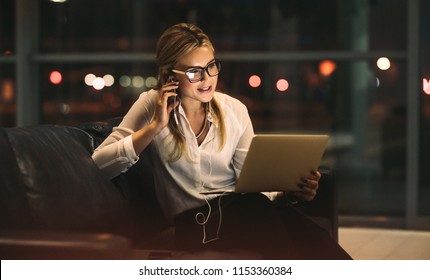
x=129 y=25
x=369 y=138
x=424 y=186
x=7 y=69
x=387 y=24
x=7 y=95
x=7 y=27
x=360 y=106
x=281 y=96
x=75 y=94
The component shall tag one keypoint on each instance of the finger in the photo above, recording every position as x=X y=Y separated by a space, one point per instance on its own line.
x=171 y=84
x=303 y=195
x=316 y=174
x=169 y=90
x=308 y=183
x=308 y=190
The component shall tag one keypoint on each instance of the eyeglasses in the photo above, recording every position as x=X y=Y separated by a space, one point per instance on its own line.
x=197 y=74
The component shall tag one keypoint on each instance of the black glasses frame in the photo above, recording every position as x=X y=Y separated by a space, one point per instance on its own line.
x=202 y=70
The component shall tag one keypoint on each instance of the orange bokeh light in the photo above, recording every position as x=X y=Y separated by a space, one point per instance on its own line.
x=327 y=67
x=254 y=81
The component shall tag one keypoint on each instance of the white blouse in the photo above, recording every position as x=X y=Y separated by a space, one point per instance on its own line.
x=178 y=184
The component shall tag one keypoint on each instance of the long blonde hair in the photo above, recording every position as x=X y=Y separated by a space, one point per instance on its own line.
x=175 y=42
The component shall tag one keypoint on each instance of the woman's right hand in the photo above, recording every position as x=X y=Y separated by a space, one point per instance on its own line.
x=144 y=136
x=164 y=107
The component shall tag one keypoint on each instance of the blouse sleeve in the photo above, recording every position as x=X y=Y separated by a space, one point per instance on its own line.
x=116 y=154
x=115 y=157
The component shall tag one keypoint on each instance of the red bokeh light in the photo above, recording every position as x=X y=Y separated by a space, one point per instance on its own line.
x=55 y=77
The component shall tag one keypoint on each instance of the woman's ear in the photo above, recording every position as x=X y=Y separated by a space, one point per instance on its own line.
x=164 y=76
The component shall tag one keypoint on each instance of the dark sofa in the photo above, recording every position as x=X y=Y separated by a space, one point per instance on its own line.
x=56 y=204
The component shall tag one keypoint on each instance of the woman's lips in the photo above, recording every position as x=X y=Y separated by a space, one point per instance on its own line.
x=205 y=89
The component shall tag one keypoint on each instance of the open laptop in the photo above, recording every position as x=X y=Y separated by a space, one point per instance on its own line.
x=278 y=162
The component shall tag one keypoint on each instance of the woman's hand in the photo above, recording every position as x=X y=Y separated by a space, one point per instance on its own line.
x=309 y=187
x=164 y=106
x=144 y=136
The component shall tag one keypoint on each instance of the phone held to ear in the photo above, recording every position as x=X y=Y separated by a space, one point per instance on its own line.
x=172 y=99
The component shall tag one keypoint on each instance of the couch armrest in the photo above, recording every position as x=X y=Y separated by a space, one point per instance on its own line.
x=47 y=245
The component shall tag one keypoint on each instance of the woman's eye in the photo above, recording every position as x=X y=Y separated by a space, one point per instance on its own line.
x=193 y=71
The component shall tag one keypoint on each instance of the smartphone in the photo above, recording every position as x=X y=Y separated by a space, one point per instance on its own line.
x=172 y=99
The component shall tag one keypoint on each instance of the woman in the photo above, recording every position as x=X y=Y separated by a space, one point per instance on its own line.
x=200 y=138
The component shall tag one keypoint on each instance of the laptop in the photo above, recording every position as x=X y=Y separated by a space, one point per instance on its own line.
x=278 y=162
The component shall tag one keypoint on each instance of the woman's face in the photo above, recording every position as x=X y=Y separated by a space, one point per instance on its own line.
x=203 y=90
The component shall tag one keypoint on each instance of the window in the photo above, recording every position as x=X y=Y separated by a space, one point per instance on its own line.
x=7 y=69
x=335 y=67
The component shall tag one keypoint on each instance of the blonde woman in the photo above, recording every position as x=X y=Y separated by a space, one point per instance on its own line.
x=200 y=138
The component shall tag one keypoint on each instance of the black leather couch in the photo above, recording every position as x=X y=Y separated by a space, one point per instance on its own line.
x=56 y=204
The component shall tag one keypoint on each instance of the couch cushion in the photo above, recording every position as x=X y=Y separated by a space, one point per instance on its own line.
x=151 y=229
x=14 y=206
x=64 y=189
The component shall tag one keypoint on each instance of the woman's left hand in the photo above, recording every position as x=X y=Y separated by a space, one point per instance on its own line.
x=309 y=187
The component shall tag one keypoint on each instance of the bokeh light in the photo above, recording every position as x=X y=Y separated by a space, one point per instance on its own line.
x=383 y=63
x=89 y=79
x=151 y=82
x=426 y=86
x=138 y=81
x=7 y=91
x=282 y=85
x=125 y=81
x=327 y=67
x=55 y=77
x=109 y=80
x=98 y=83
x=254 y=81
